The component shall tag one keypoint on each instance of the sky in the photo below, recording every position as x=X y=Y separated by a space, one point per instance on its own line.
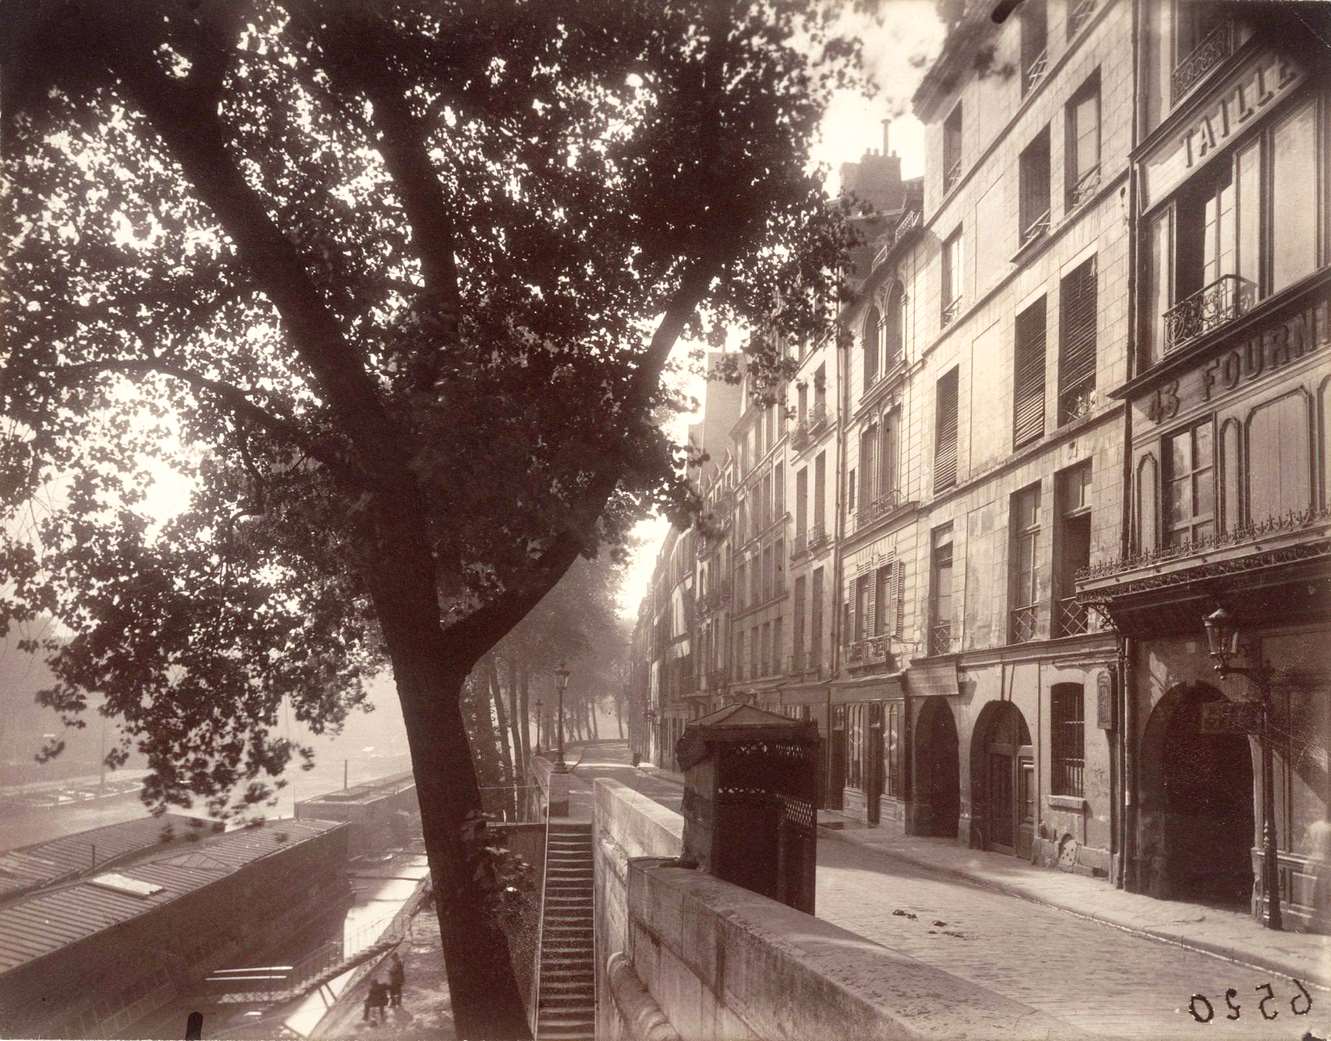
x=898 y=30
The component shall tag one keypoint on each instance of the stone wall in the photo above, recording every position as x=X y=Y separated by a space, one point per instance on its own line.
x=681 y=954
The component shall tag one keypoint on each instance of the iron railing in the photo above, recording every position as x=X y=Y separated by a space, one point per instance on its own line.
x=799 y=437
x=1035 y=228
x=1073 y=618
x=1024 y=623
x=952 y=175
x=1067 y=776
x=1087 y=185
x=1035 y=71
x=1079 y=16
x=950 y=311
x=940 y=638
x=1215 y=47
x=817 y=416
x=1215 y=304
x=818 y=537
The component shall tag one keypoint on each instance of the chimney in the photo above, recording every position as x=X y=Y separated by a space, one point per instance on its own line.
x=887 y=132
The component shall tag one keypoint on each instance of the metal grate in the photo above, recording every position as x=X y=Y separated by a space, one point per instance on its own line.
x=1024 y=622
x=1073 y=618
x=1215 y=47
x=1212 y=306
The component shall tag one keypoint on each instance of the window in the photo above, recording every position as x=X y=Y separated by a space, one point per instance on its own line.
x=755 y=580
x=1073 y=546
x=1190 y=485
x=850 y=490
x=802 y=409
x=887 y=459
x=940 y=591
x=1202 y=39
x=1076 y=343
x=892 y=750
x=1279 y=483
x=1034 y=43
x=951 y=278
x=779 y=566
x=766 y=661
x=1033 y=174
x=863 y=607
x=819 y=394
x=1025 y=565
x=769 y=575
x=883 y=601
x=945 y=432
x=952 y=149
x=776 y=646
x=798 y=663
x=868 y=447
x=1079 y=13
x=1294 y=197
x=754 y=651
x=855 y=746
x=816 y=621
x=872 y=337
x=892 y=329
x=741 y=586
x=779 y=489
x=1028 y=375
x=819 y=494
x=1067 y=737
x=801 y=502
x=1083 y=143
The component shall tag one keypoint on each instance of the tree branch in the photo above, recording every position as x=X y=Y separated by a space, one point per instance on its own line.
x=234 y=398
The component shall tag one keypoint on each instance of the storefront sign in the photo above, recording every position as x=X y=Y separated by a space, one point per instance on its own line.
x=1231 y=110
x=1265 y=350
x=1231 y=717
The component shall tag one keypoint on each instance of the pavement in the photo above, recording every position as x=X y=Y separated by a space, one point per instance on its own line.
x=1107 y=962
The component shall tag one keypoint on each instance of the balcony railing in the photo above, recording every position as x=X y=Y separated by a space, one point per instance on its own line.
x=1035 y=228
x=1024 y=623
x=1225 y=299
x=950 y=312
x=817 y=416
x=1215 y=47
x=940 y=638
x=818 y=537
x=952 y=175
x=878 y=507
x=1073 y=618
x=1035 y=71
x=868 y=652
x=1079 y=16
x=799 y=437
x=1086 y=186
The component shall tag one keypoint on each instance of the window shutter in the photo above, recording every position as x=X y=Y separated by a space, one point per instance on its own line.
x=901 y=598
x=870 y=602
x=1076 y=356
x=945 y=441
x=1029 y=360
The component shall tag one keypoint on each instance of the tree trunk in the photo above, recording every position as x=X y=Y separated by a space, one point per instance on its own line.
x=504 y=803
x=596 y=726
x=619 y=717
x=525 y=717
x=514 y=726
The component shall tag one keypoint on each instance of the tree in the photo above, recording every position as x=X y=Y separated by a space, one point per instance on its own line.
x=394 y=284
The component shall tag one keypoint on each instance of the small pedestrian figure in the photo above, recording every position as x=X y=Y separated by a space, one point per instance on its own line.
x=397 y=976
x=375 y=1001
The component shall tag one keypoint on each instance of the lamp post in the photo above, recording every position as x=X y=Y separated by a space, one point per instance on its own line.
x=561 y=682
x=539 y=705
x=1222 y=636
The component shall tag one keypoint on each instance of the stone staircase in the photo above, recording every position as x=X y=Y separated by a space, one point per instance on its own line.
x=566 y=1003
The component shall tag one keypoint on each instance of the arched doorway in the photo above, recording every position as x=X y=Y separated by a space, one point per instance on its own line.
x=1003 y=788
x=1196 y=826
x=937 y=801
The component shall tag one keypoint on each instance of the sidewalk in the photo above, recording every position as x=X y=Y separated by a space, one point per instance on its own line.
x=425 y=1015
x=1229 y=934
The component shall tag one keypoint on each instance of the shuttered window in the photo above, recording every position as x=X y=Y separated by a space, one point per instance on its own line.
x=1076 y=343
x=900 y=627
x=945 y=433
x=885 y=602
x=887 y=457
x=1279 y=479
x=1028 y=382
x=1034 y=178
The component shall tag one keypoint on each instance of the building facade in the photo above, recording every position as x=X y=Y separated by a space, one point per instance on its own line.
x=1076 y=402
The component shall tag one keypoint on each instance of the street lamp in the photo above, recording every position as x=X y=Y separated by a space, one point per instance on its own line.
x=539 y=705
x=1222 y=636
x=561 y=682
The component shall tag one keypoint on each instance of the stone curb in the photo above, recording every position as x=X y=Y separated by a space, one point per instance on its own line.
x=1321 y=976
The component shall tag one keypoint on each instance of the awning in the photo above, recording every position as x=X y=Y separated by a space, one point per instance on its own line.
x=932 y=679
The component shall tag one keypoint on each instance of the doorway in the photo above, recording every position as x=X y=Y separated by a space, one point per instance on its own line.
x=937 y=803
x=1004 y=788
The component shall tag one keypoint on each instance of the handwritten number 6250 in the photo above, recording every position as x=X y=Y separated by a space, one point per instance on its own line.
x=1203 y=1011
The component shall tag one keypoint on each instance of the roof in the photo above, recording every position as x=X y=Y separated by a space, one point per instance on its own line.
x=369 y=792
x=41 y=923
x=32 y=867
x=975 y=26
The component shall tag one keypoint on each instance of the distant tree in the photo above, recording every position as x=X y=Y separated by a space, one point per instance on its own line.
x=394 y=283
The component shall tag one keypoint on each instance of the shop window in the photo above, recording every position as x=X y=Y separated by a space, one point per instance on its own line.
x=1067 y=738
x=892 y=750
x=1073 y=548
x=1189 y=485
x=1028 y=375
x=950 y=279
x=1076 y=343
x=1025 y=566
x=952 y=149
x=945 y=432
x=1279 y=476
x=941 y=638
x=855 y=735
x=1033 y=175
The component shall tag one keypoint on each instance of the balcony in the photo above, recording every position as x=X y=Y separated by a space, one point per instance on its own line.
x=1035 y=71
x=1073 y=618
x=1035 y=229
x=1215 y=47
x=950 y=312
x=1079 y=16
x=818 y=537
x=1025 y=623
x=952 y=176
x=799 y=437
x=799 y=545
x=879 y=507
x=869 y=654
x=1086 y=187
x=940 y=638
x=817 y=416
x=1212 y=306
